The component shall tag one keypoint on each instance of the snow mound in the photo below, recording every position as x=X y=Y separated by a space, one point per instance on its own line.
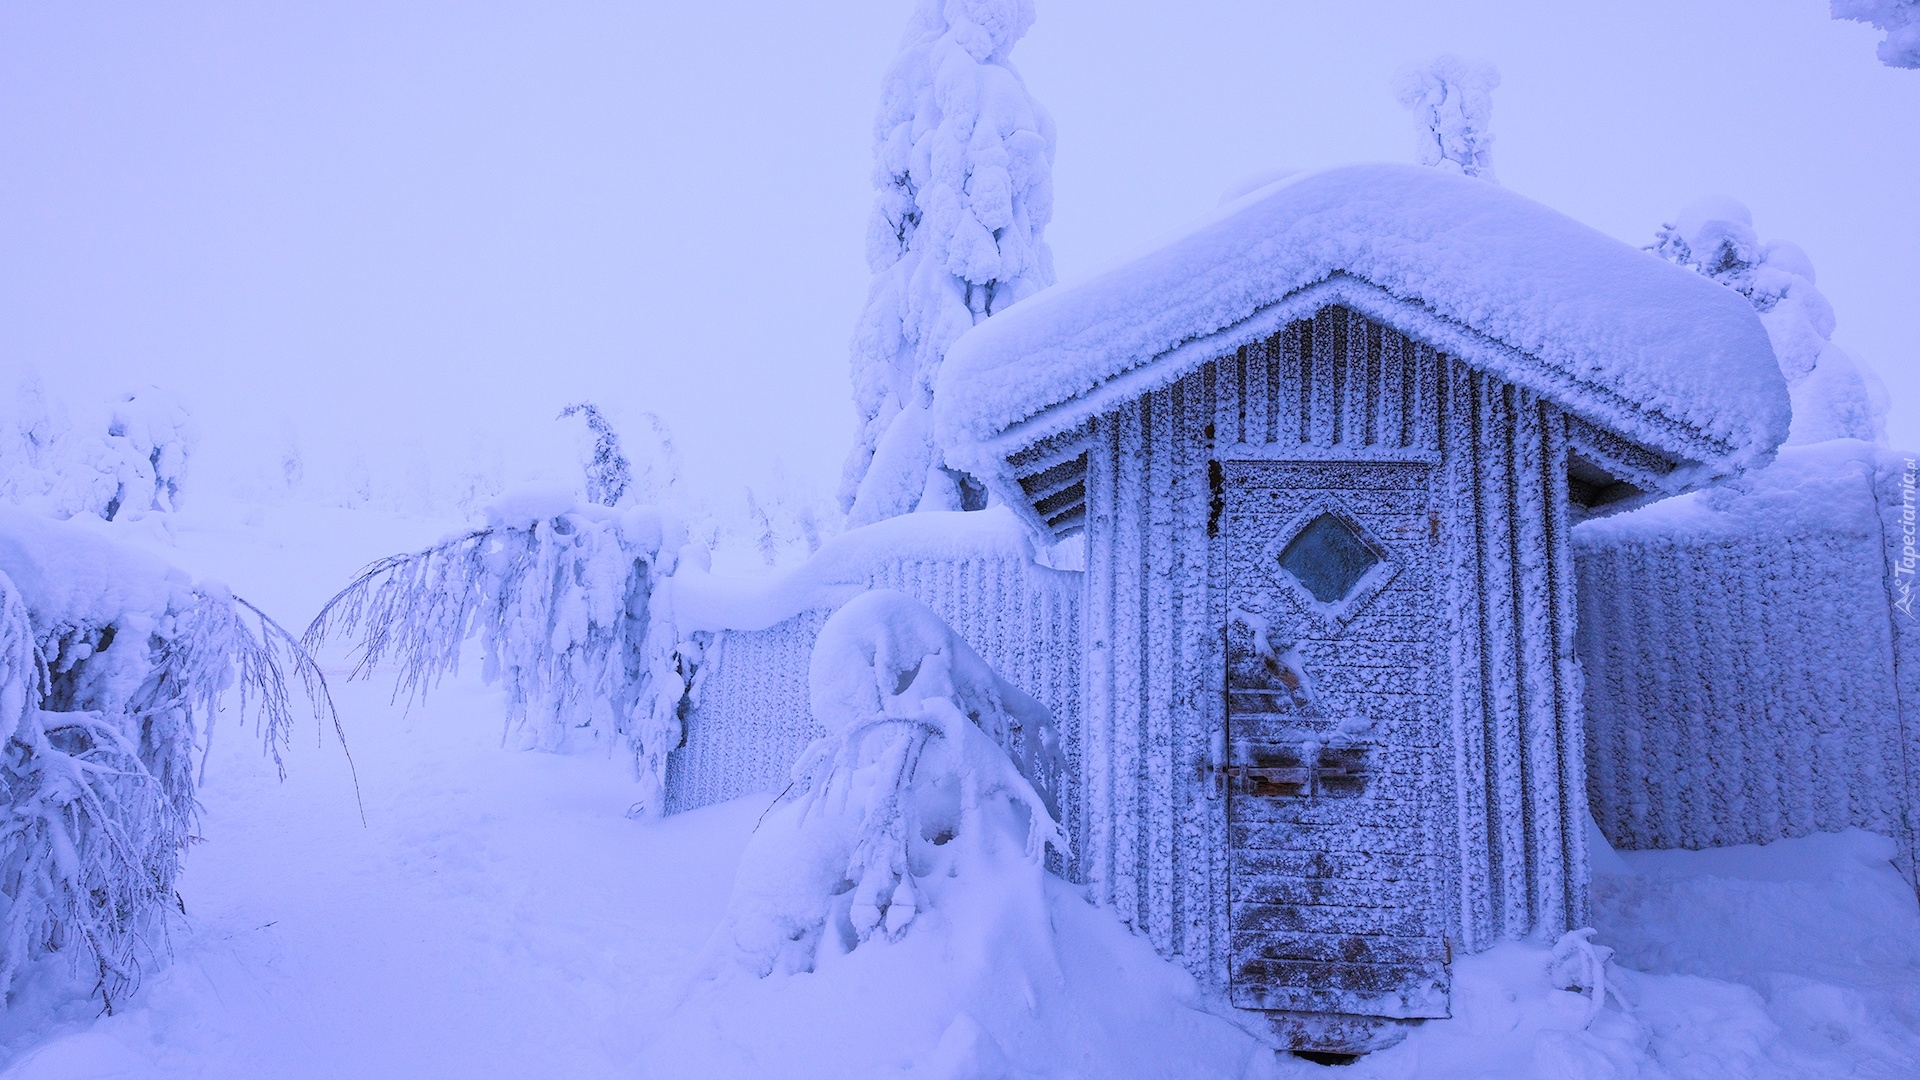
x=1614 y=334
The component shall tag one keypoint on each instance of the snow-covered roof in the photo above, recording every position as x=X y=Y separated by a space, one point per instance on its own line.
x=1628 y=342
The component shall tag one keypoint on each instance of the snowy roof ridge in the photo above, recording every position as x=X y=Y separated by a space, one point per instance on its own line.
x=1610 y=333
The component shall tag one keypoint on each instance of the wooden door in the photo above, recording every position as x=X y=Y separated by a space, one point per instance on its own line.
x=1334 y=689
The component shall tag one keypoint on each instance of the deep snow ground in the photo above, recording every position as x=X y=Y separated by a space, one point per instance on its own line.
x=498 y=915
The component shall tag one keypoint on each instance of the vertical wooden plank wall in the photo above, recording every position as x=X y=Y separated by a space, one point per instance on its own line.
x=1153 y=701
x=1517 y=713
x=1895 y=477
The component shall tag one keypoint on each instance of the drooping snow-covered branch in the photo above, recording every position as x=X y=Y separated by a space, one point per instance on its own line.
x=1452 y=104
x=563 y=598
x=963 y=161
x=1899 y=18
x=112 y=665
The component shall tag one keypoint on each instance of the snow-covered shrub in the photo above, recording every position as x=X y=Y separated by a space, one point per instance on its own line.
x=1580 y=965
x=1899 y=18
x=1834 y=394
x=111 y=667
x=963 y=172
x=44 y=464
x=565 y=600
x=1452 y=104
x=932 y=767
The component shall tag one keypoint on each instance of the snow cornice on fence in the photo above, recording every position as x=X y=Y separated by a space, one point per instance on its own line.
x=1640 y=349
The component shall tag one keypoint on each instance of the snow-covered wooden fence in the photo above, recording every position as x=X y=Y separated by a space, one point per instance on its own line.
x=1752 y=671
x=977 y=571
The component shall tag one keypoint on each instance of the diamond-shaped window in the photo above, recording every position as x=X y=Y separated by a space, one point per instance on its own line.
x=1328 y=558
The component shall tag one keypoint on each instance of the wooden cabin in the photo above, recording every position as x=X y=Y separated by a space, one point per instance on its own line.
x=1324 y=454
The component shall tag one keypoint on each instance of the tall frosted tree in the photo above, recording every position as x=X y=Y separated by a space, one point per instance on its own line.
x=963 y=179
x=1899 y=18
x=1452 y=104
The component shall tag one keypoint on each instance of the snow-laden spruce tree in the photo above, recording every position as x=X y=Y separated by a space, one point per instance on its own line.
x=125 y=461
x=1899 y=18
x=963 y=162
x=1834 y=394
x=150 y=435
x=1452 y=104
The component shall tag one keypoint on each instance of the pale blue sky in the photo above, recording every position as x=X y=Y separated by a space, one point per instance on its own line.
x=392 y=225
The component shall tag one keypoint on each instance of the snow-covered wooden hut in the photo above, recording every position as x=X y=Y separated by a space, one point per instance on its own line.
x=1325 y=452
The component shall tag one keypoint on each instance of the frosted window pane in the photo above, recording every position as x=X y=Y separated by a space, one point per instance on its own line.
x=1328 y=558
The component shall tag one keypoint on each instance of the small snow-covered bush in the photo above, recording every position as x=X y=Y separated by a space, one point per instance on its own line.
x=564 y=599
x=111 y=667
x=609 y=473
x=932 y=768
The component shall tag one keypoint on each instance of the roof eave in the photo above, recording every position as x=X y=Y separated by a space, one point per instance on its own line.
x=1697 y=458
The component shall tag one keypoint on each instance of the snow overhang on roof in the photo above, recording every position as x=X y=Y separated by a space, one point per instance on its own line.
x=1651 y=356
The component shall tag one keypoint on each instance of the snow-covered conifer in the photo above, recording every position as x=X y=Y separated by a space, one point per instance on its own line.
x=150 y=435
x=1452 y=104
x=963 y=161
x=657 y=472
x=124 y=463
x=1834 y=394
x=608 y=471
x=1899 y=18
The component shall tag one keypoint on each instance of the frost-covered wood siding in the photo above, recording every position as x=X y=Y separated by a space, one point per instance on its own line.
x=1758 y=685
x=1153 y=724
x=752 y=718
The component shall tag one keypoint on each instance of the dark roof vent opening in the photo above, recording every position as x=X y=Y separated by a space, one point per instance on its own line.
x=1591 y=487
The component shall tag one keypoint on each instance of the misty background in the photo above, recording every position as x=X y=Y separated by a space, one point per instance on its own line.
x=392 y=240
